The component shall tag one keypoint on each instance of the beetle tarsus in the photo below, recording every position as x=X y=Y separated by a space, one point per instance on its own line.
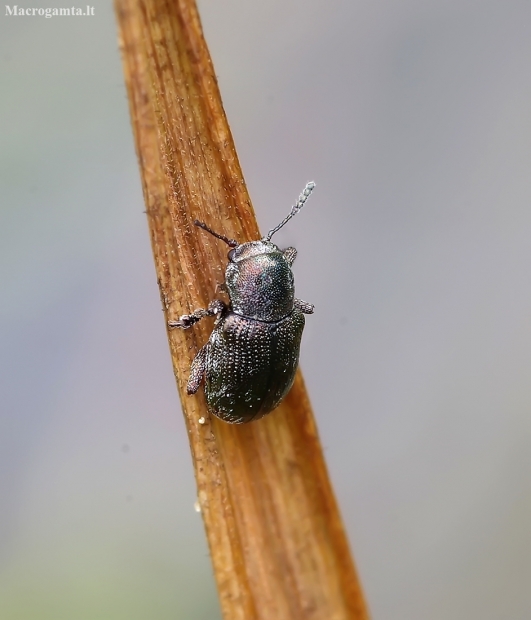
x=290 y=254
x=303 y=306
x=186 y=321
x=216 y=307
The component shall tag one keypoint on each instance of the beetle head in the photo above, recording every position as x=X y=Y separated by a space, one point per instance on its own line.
x=250 y=249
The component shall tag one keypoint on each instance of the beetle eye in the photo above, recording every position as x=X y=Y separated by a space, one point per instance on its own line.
x=230 y=255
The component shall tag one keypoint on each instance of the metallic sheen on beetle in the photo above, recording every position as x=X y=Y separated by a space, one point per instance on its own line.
x=249 y=362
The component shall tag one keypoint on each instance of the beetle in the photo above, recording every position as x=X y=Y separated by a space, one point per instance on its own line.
x=250 y=359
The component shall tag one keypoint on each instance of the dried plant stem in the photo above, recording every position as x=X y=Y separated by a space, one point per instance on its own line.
x=277 y=542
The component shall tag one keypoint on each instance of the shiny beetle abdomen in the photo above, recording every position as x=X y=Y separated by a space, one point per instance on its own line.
x=250 y=365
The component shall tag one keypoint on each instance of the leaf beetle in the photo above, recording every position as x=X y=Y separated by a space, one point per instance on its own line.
x=249 y=362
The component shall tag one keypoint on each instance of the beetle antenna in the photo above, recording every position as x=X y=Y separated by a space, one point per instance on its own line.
x=294 y=210
x=230 y=242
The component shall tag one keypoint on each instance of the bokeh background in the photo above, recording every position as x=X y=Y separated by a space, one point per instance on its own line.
x=413 y=117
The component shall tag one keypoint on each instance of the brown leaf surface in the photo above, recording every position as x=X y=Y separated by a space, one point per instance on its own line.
x=276 y=538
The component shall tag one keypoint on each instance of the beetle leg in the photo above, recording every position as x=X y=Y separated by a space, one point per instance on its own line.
x=290 y=254
x=303 y=306
x=197 y=371
x=216 y=307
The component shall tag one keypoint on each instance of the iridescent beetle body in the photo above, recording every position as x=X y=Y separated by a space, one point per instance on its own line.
x=250 y=359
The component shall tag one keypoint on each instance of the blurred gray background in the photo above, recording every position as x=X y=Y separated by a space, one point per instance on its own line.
x=413 y=117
